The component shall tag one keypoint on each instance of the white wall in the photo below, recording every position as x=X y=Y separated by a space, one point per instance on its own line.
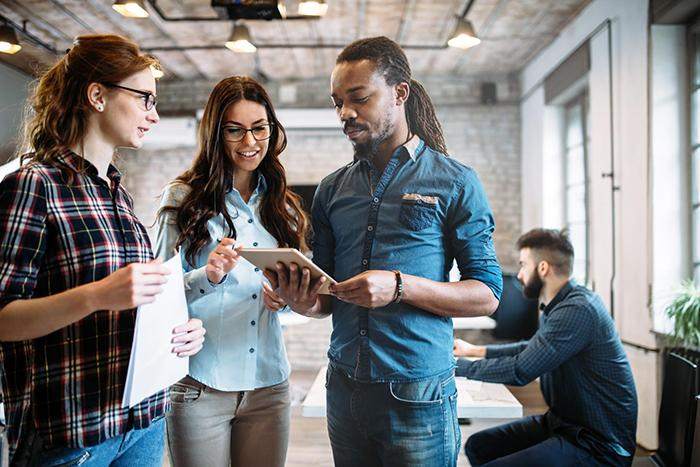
x=13 y=94
x=628 y=96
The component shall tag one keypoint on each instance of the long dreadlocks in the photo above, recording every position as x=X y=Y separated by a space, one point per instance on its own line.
x=392 y=63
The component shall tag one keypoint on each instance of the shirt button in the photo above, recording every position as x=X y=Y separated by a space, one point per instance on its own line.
x=255 y=296
x=255 y=243
x=257 y=269
x=252 y=323
x=251 y=350
x=364 y=262
x=363 y=332
x=201 y=290
x=250 y=221
x=370 y=228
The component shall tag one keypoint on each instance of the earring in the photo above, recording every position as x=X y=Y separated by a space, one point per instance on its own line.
x=100 y=107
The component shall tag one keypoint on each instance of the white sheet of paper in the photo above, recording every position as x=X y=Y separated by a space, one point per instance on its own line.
x=153 y=366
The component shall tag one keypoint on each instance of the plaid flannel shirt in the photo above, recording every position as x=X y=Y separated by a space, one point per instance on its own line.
x=54 y=236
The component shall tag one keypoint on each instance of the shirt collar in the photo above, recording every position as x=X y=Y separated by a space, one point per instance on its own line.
x=561 y=295
x=81 y=165
x=414 y=147
x=260 y=188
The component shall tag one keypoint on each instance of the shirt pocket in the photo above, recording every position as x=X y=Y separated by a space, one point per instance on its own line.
x=418 y=212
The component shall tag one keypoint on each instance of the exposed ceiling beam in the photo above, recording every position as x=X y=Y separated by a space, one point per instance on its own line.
x=406 y=17
x=177 y=48
x=72 y=15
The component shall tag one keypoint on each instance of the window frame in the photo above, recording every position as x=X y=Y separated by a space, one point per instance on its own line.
x=693 y=41
x=581 y=101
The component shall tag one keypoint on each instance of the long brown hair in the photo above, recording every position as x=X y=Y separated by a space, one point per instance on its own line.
x=211 y=176
x=391 y=62
x=58 y=107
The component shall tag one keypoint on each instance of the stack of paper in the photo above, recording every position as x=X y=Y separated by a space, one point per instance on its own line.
x=153 y=366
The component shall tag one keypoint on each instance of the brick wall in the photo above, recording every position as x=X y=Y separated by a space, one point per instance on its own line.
x=484 y=137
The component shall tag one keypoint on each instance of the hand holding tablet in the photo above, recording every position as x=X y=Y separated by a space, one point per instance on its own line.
x=267 y=258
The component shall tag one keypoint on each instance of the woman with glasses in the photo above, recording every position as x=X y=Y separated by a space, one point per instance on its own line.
x=234 y=407
x=75 y=263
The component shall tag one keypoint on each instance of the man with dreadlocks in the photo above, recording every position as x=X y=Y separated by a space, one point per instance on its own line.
x=388 y=227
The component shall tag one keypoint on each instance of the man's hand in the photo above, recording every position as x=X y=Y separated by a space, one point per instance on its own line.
x=295 y=287
x=370 y=289
x=465 y=349
x=189 y=338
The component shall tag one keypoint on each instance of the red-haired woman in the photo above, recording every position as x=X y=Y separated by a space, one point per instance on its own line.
x=234 y=405
x=75 y=262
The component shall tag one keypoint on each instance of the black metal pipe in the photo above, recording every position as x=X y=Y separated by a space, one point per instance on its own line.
x=164 y=16
x=467 y=8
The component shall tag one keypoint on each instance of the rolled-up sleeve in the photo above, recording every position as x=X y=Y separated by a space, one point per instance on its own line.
x=470 y=230
x=197 y=284
x=23 y=229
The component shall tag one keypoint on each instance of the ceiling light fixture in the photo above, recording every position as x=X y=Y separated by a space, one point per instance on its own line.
x=9 y=43
x=313 y=7
x=464 y=36
x=240 y=40
x=130 y=8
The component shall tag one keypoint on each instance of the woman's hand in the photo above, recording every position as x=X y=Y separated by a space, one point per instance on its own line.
x=191 y=336
x=130 y=286
x=222 y=260
x=273 y=302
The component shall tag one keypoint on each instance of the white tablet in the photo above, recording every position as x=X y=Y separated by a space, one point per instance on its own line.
x=267 y=258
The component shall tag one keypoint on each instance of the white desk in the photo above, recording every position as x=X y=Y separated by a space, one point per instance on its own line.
x=477 y=322
x=474 y=399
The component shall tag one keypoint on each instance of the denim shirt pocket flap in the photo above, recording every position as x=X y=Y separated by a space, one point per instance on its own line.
x=418 y=212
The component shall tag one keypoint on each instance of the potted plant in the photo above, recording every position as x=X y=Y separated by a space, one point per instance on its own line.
x=684 y=311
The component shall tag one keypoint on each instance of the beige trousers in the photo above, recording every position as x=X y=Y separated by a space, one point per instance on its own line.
x=211 y=428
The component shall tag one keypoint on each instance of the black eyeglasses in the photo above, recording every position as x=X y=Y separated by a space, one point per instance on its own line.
x=236 y=134
x=149 y=99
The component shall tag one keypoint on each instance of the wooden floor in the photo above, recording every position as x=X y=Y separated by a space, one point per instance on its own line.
x=309 y=445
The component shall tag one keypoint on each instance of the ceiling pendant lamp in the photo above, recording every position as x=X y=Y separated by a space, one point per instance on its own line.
x=240 y=40
x=313 y=7
x=130 y=8
x=9 y=43
x=464 y=36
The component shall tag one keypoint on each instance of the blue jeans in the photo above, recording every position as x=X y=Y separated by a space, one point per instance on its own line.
x=535 y=441
x=392 y=423
x=143 y=448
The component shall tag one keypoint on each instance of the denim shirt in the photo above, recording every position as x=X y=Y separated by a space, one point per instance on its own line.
x=584 y=373
x=243 y=348
x=422 y=212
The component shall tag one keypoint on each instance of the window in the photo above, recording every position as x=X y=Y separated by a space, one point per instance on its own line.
x=695 y=148
x=576 y=144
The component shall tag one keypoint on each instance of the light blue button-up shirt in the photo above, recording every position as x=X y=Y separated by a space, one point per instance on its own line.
x=243 y=348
